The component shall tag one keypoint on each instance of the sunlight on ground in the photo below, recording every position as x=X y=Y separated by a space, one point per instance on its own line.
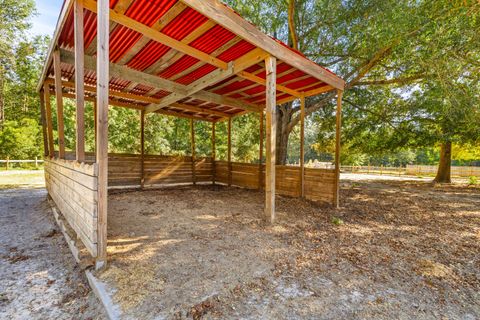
x=14 y=178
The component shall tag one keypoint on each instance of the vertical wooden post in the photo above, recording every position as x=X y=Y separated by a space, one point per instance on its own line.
x=6 y=163
x=142 y=147
x=95 y=124
x=59 y=96
x=302 y=147
x=260 y=153
x=271 y=70
x=79 y=81
x=44 y=123
x=214 y=153
x=36 y=162
x=192 y=134
x=338 y=132
x=48 y=115
x=229 y=152
x=103 y=26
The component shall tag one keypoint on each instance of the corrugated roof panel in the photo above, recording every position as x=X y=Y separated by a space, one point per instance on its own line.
x=255 y=90
x=160 y=94
x=184 y=24
x=180 y=27
x=148 y=55
x=235 y=52
x=234 y=86
x=302 y=83
x=146 y=12
x=292 y=75
x=182 y=64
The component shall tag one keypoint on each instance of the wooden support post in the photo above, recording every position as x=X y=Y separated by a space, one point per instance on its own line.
x=44 y=123
x=337 y=149
x=48 y=115
x=214 y=153
x=58 y=94
x=103 y=26
x=302 y=147
x=260 y=153
x=271 y=71
x=229 y=152
x=95 y=123
x=192 y=133
x=142 y=147
x=6 y=163
x=79 y=81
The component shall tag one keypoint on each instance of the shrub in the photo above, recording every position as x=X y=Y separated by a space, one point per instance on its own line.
x=472 y=181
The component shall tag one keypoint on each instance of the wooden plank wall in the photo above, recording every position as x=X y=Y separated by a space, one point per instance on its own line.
x=73 y=188
x=126 y=170
x=319 y=183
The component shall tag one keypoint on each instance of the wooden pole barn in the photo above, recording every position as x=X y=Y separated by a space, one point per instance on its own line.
x=194 y=59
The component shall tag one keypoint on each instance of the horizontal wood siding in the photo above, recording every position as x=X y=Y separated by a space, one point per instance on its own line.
x=176 y=169
x=125 y=169
x=319 y=183
x=73 y=188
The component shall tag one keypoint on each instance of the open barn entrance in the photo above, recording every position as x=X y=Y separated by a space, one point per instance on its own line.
x=184 y=58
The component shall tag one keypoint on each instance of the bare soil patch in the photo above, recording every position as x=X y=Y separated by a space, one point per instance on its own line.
x=403 y=250
x=38 y=275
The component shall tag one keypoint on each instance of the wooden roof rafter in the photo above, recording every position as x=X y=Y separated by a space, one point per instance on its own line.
x=215 y=75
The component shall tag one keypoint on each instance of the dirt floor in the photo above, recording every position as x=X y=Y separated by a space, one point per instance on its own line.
x=402 y=250
x=39 y=278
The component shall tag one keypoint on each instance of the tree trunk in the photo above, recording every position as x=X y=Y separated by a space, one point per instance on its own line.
x=443 y=173
x=2 y=100
x=284 y=116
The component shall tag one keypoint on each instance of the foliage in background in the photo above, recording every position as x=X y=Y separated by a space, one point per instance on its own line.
x=412 y=76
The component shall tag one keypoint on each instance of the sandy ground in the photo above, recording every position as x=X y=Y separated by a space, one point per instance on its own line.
x=395 y=250
x=39 y=279
x=21 y=178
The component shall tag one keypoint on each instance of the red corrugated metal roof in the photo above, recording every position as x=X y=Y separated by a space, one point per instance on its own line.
x=170 y=64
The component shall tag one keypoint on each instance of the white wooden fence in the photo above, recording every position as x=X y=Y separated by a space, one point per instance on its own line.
x=7 y=163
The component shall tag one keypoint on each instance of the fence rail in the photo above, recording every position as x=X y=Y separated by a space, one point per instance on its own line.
x=455 y=170
x=374 y=170
x=7 y=162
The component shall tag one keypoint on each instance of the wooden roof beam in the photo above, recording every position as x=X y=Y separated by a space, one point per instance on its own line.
x=263 y=82
x=200 y=110
x=115 y=103
x=237 y=66
x=230 y=20
x=125 y=73
x=157 y=36
x=122 y=72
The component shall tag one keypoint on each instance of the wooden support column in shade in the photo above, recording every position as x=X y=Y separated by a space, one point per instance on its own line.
x=214 y=153
x=58 y=94
x=79 y=81
x=270 y=161
x=260 y=153
x=44 y=123
x=95 y=124
x=229 y=152
x=192 y=134
x=338 y=135
x=103 y=26
x=142 y=147
x=48 y=115
x=302 y=147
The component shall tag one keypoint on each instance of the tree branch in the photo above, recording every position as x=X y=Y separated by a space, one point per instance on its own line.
x=403 y=80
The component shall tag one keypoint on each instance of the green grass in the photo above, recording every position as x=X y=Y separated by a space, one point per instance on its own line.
x=17 y=178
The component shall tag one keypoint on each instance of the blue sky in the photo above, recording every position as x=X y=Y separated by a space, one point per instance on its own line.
x=47 y=15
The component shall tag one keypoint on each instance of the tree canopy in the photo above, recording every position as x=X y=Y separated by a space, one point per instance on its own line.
x=411 y=68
